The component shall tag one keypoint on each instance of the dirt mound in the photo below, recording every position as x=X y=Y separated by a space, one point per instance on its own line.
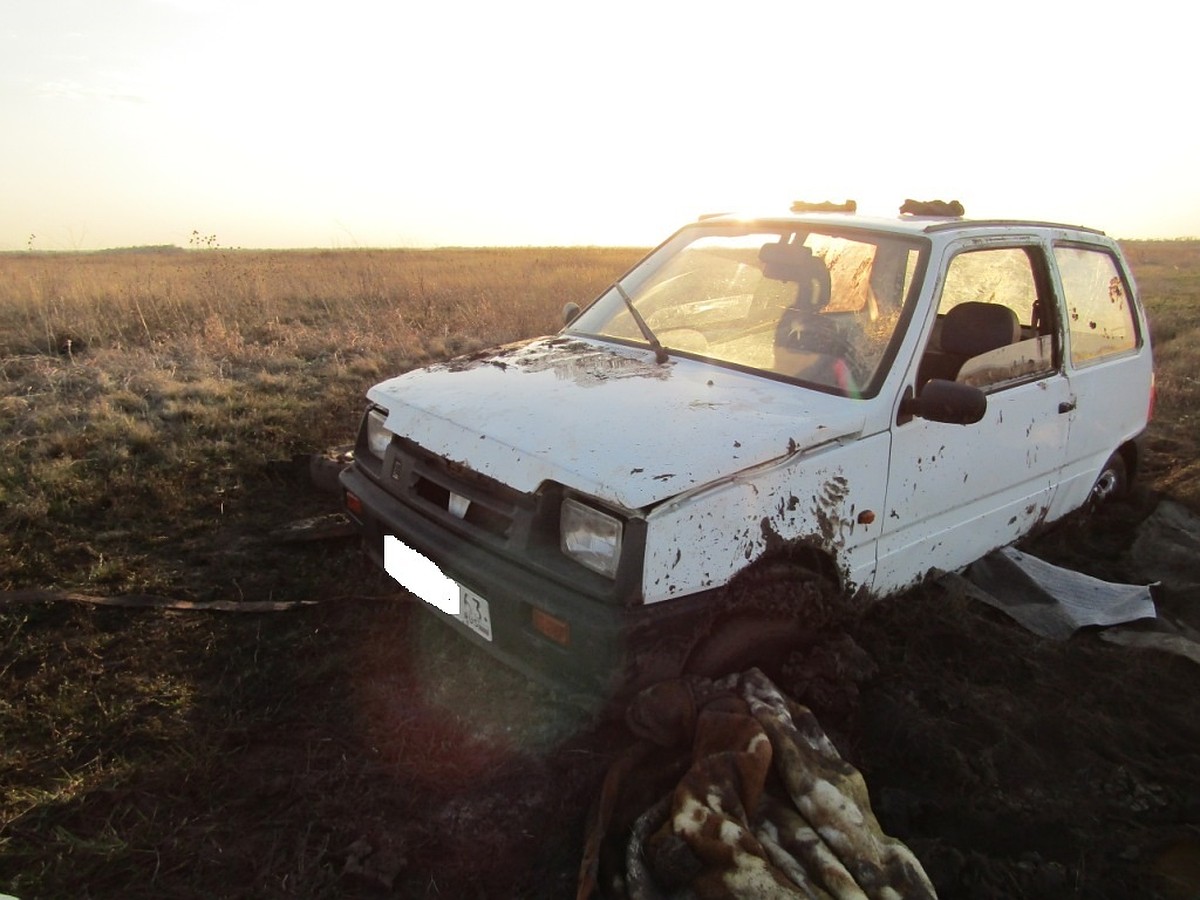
x=1014 y=765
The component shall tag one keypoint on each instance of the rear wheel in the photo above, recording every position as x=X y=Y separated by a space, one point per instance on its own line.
x=1112 y=483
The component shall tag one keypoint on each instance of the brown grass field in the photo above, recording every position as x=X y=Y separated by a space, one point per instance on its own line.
x=156 y=407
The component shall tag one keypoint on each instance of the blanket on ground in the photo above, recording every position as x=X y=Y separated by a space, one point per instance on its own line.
x=766 y=807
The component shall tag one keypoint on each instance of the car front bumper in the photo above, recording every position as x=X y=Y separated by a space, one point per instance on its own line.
x=613 y=649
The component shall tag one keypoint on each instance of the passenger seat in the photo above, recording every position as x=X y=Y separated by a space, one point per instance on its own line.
x=968 y=329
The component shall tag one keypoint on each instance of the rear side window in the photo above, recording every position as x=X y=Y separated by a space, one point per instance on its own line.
x=1099 y=309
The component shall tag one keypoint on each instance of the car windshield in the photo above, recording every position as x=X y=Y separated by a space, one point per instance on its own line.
x=823 y=309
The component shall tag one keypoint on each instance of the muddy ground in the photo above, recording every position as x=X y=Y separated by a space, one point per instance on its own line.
x=354 y=749
x=1014 y=766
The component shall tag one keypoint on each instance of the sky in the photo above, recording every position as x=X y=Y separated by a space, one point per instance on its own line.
x=389 y=123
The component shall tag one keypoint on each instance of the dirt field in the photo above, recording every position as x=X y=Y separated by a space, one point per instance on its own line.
x=350 y=749
x=1019 y=767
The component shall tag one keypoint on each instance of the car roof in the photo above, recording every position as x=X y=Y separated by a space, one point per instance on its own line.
x=901 y=224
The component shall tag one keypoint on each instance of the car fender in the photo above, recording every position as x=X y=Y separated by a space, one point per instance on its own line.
x=829 y=497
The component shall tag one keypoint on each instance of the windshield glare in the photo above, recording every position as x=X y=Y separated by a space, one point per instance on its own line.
x=823 y=309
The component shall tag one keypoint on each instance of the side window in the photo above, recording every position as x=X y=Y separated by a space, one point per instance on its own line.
x=992 y=328
x=1099 y=311
x=991 y=276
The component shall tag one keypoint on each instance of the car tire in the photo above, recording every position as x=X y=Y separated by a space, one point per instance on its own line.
x=765 y=615
x=1111 y=484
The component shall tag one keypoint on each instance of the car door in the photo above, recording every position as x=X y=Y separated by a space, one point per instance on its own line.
x=1108 y=362
x=956 y=492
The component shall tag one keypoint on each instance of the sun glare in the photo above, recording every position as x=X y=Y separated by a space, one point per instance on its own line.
x=292 y=124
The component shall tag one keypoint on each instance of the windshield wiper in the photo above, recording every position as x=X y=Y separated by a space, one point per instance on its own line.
x=660 y=353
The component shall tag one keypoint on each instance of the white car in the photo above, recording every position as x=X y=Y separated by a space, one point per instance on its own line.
x=815 y=398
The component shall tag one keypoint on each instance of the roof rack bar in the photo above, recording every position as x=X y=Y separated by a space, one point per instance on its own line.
x=1009 y=223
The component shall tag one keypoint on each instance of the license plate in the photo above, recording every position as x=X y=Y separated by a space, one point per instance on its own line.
x=474 y=613
x=422 y=577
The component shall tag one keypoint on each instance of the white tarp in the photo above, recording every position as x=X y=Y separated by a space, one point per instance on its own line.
x=1052 y=601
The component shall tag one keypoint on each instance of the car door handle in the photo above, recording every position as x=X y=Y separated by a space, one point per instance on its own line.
x=1066 y=406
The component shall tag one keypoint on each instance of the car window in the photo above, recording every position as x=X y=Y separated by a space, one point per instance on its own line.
x=994 y=327
x=1002 y=276
x=820 y=308
x=1100 y=317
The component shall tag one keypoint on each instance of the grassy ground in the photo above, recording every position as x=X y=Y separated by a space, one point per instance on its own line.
x=147 y=399
x=1168 y=275
x=151 y=405
x=151 y=409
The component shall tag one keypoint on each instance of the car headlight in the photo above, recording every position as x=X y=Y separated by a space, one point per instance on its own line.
x=378 y=437
x=591 y=538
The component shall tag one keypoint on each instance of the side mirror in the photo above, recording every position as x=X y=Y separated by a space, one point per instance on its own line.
x=570 y=311
x=945 y=401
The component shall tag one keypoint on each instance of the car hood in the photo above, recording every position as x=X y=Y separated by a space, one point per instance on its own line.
x=605 y=419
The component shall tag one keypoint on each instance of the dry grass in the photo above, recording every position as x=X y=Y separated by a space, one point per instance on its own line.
x=1168 y=275
x=146 y=401
x=150 y=406
x=143 y=395
x=405 y=305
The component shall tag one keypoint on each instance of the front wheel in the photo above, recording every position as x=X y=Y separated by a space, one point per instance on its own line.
x=764 y=616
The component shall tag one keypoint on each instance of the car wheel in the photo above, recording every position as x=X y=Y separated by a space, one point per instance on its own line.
x=1111 y=484
x=765 y=615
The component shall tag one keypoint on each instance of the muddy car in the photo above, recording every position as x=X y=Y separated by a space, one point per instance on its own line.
x=816 y=400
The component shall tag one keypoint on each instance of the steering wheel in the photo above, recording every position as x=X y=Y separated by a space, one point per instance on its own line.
x=814 y=348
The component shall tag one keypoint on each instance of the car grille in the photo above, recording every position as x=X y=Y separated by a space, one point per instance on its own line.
x=454 y=492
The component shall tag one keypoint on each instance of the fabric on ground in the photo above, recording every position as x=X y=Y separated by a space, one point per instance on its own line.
x=767 y=807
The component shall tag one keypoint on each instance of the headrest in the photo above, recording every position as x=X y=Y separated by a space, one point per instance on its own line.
x=790 y=262
x=972 y=328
